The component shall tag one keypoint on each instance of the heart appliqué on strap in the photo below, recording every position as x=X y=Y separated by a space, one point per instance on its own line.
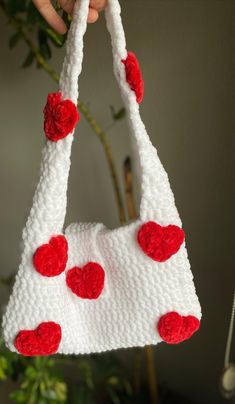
x=60 y=115
x=51 y=259
x=86 y=282
x=44 y=340
x=174 y=328
x=134 y=76
x=159 y=242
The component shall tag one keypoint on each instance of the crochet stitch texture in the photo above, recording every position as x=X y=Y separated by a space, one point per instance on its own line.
x=140 y=290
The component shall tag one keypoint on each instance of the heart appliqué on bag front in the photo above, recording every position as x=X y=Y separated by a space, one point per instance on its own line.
x=174 y=328
x=44 y=340
x=159 y=242
x=51 y=259
x=86 y=282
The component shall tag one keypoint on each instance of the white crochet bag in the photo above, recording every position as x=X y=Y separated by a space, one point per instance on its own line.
x=91 y=289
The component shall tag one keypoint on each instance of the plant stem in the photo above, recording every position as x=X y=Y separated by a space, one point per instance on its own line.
x=137 y=369
x=92 y=122
x=103 y=138
x=129 y=189
x=151 y=375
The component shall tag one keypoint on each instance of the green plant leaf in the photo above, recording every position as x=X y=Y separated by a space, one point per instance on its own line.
x=113 y=395
x=15 y=6
x=50 y=363
x=86 y=371
x=67 y=19
x=42 y=387
x=15 y=367
x=3 y=368
x=113 y=380
x=117 y=115
x=19 y=396
x=43 y=44
x=128 y=387
x=50 y=394
x=61 y=391
x=34 y=17
x=31 y=373
x=83 y=396
x=7 y=281
x=14 y=39
x=29 y=60
x=40 y=361
x=57 y=39
x=3 y=375
x=42 y=400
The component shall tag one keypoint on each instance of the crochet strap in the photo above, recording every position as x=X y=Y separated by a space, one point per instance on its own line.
x=50 y=200
x=157 y=200
x=151 y=172
x=72 y=65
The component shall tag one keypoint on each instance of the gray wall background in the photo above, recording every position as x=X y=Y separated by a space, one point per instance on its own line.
x=185 y=51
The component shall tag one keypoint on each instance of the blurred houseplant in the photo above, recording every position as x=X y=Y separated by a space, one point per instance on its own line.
x=99 y=378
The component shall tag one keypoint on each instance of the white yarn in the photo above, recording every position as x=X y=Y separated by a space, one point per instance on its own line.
x=137 y=289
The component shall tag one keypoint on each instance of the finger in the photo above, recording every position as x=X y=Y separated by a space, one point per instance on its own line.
x=98 y=4
x=46 y=9
x=67 y=5
x=93 y=15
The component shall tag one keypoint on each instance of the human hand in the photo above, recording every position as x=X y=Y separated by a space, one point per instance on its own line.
x=55 y=21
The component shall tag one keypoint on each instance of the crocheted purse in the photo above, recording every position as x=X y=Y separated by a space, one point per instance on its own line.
x=91 y=289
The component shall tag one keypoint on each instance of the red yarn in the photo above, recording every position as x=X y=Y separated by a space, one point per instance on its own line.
x=159 y=242
x=44 y=340
x=86 y=282
x=60 y=117
x=51 y=259
x=174 y=328
x=134 y=76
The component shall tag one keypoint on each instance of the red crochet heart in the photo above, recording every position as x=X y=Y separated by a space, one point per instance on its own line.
x=134 y=76
x=174 y=328
x=60 y=117
x=51 y=259
x=44 y=340
x=86 y=282
x=159 y=242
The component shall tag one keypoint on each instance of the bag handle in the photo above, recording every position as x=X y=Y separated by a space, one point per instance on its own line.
x=151 y=171
x=49 y=204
